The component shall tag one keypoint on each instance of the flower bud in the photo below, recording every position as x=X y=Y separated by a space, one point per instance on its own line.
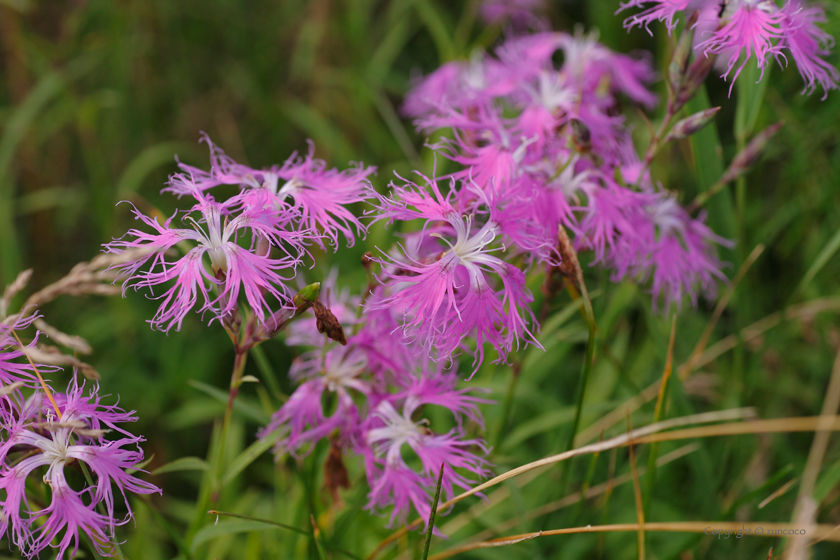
x=327 y=323
x=307 y=295
x=581 y=136
x=679 y=62
x=753 y=151
x=690 y=125
x=694 y=78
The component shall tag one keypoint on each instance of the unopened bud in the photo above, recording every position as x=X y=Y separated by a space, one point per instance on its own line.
x=753 y=151
x=690 y=125
x=682 y=54
x=367 y=260
x=328 y=324
x=694 y=78
x=307 y=295
x=581 y=135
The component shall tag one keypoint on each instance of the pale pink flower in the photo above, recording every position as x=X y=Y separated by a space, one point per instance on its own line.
x=233 y=268
x=751 y=30
x=462 y=289
x=807 y=44
x=44 y=440
x=391 y=433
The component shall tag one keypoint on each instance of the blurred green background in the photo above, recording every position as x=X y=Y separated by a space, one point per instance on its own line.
x=96 y=99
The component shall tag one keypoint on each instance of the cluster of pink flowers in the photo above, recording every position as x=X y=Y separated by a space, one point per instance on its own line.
x=539 y=147
x=740 y=30
x=369 y=398
x=45 y=437
x=249 y=240
x=365 y=396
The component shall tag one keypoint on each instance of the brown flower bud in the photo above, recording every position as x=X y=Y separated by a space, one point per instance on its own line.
x=328 y=324
x=335 y=473
x=751 y=153
x=690 y=125
x=581 y=136
x=694 y=78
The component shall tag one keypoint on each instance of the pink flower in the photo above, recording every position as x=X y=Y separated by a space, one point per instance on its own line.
x=14 y=367
x=43 y=440
x=662 y=10
x=391 y=434
x=317 y=196
x=461 y=85
x=460 y=289
x=302 y=420
x=807 y=43
x=750 y=31
x=589 y=64
x=233 y=269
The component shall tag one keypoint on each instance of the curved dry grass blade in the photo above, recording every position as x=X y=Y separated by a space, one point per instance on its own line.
x=765 y=529
x=620 y=441
x=780 y=492
x=801 y=311
x=806 y=507
x=774 y=425
x=12 y=289
x=572 y=499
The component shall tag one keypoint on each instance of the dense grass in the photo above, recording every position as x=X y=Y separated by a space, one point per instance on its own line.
x=96 y=99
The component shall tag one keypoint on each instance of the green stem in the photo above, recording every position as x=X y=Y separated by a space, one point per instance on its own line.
x=583 y=380
x=430 y=529
x=584 y=374
x=704 y=197
x=516 y=369
x=235 y=382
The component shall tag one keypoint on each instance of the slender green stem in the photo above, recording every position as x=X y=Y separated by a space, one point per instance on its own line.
x=587 y=365
x=588 y=360
x=508 y=404
x=235 y=382
x=173 y=534
x=704 y=196
x=655 y=142
x=430 y=529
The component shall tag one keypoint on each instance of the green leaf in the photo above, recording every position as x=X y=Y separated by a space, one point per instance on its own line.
x=437 y=28
x=750 y=96
x=47 y=88
x=247 y=457
x=822 y=259
x=543 y=423
x=210 y=532
x=183 y=464
x=827 y=482
x=148 y=160
x=709 y=167
x=241 y=405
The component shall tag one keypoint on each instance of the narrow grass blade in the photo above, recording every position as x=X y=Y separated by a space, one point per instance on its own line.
x=430 y=529
x=258 y=520
x=241 y=462
x=147 y=161
x=822 y=259
x=183 y=464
